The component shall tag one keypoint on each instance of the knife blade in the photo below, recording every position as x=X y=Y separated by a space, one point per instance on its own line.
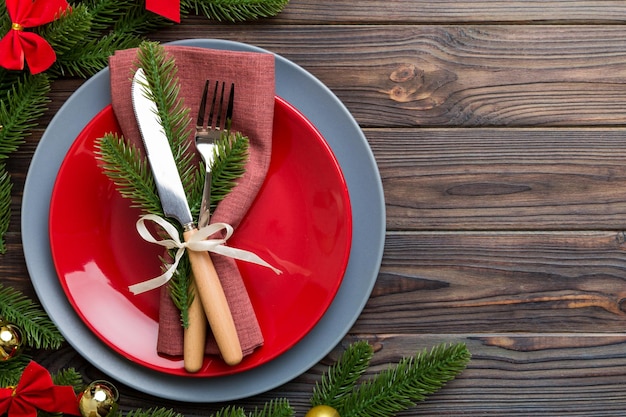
x=174 y=202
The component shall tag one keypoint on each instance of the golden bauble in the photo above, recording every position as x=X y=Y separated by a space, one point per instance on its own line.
x=11 y=340
x=99 y=399
x=322 y=411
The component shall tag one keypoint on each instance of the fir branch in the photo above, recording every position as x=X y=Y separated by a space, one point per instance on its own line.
x=230 y=411
x=153 y=412
x=340 y=379
x=123 y=17
x=275 y=408
x=232 y=153
x=5 y=205
x=11 y=370
x=410 y=381
x=94 y=55
x=23 y=103
x=179 y=289
x=69 y=376
x=161 y=74
x=39 y=331
x=66 y=34
x=5 y=21
x=136 y=20
x=234 y=10
x=129 y=170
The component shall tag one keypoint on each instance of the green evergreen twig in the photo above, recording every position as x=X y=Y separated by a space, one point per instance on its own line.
x=340 y=379
x=408 y=382
x=5 y=204
x=11 y=371
x=275 y=408
x=69 y=376
x=39 y=331
x=234 y=10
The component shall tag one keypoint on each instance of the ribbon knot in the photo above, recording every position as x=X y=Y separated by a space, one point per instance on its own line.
x=18 y=45
x=198 y=242
x=36 y=391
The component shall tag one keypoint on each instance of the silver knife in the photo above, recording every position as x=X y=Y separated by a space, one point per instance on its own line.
x=172 y=194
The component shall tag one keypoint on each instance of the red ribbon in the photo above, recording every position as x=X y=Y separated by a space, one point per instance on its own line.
x=169 y=9
x=37 y=391
x=18 y=46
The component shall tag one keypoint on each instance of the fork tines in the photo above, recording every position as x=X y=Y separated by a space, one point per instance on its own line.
x=216 y=109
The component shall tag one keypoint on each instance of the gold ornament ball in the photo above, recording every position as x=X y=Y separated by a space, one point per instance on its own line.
x=99 y=399
x=11 y=341
x=322 y=411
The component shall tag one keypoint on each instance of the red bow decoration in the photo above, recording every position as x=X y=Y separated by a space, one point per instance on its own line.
x=169 y=9
x=37 y=391
x=18 y=45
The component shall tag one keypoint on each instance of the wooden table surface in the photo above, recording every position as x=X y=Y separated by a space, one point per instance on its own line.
x=499 y=128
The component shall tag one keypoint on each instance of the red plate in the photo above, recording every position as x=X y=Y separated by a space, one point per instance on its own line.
x=300 y=223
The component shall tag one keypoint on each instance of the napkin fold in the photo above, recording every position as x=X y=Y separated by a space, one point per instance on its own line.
x=253 y=114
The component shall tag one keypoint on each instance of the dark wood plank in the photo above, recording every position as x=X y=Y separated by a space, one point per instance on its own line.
x=506 y=179
x=504 y=75
x=509 y=374
x=423 y=11
x=499 y=282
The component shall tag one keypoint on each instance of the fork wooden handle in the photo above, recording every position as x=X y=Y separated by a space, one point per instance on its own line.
x=194 y=339
x=209 y=290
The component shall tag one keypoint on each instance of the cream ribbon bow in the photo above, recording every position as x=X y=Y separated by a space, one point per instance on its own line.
x=198 y=243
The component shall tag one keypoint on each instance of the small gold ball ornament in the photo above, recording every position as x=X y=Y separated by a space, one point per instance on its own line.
x=11 y=341
x=322 y=411
x=99 y=399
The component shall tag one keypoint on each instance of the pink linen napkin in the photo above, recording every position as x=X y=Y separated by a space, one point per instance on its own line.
x=253 y=114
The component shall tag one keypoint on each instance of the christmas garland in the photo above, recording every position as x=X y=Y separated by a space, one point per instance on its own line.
x=341 y=391
x=76 y=39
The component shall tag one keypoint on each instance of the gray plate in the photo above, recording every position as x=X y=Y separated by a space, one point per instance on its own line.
x=350 y=147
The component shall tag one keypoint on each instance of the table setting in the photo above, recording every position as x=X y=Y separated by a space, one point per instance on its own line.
x=404 y=210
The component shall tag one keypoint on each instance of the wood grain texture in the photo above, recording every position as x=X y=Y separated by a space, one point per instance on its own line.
x=499 y=129
x=502 y=179
x=502 y=75
x=500 y=282
x=424 y=11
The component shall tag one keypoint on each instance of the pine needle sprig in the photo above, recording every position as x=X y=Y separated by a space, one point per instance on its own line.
x=340 y=379
x=161 y=74
x=153 y=412
x=39 y=331
x=232 y=152
x=123 y=17
x=230 y=411
x=234 y=10
x=20 y=107
x=137 y=21
x=11 y=370
x=69 y=376
x=128 y=169
x=179 y=289
x=68 y=32
x=410 y=381
x=5 y=204
x=275 y=408
x=94 y=55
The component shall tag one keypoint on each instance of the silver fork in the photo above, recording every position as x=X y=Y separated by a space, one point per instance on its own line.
x=219 y=116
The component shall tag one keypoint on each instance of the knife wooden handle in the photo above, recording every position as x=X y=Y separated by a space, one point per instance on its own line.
x=194 y=339
x=210 y=291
